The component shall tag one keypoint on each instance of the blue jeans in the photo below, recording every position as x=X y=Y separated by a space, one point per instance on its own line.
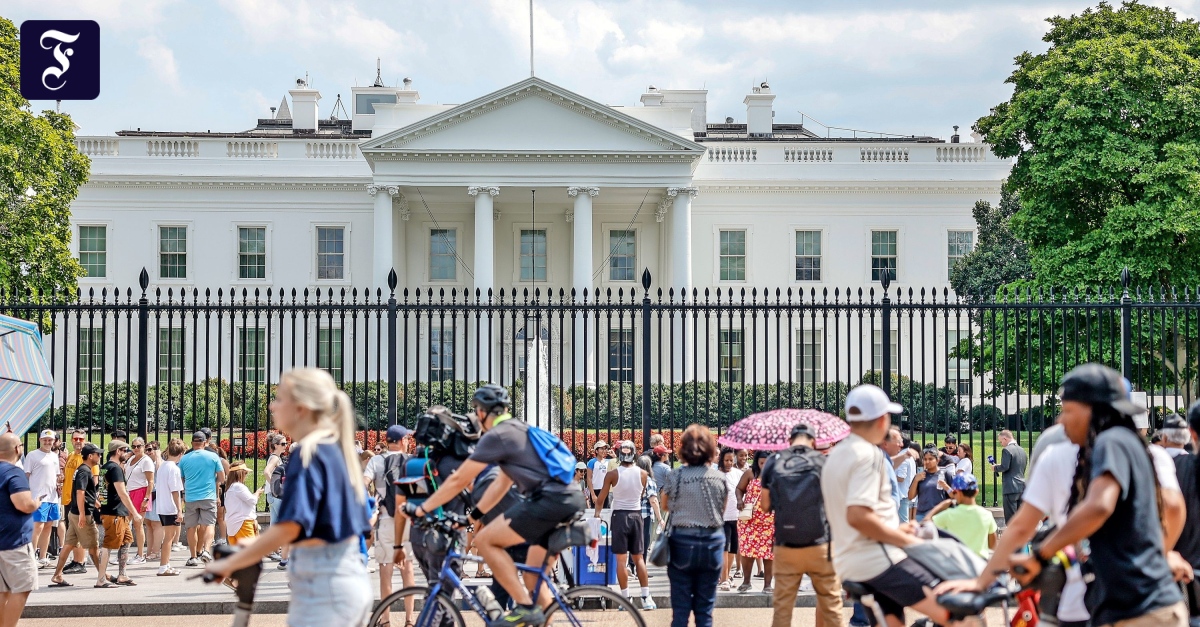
x=695 y=567
x=905 y=506
x=329 y=586
x=273 y=504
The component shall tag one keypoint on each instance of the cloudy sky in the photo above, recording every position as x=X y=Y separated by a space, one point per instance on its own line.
x=917 y=66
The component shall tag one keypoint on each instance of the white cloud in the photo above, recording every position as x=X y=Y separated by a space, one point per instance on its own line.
x=161 y=60
x=119 y=16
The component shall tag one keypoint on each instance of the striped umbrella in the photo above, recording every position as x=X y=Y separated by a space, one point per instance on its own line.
x=26 y=383
x=769 y=430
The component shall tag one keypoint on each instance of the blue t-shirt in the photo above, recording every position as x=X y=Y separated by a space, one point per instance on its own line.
x=320 y=498
x=16 y=527
x=199 y=470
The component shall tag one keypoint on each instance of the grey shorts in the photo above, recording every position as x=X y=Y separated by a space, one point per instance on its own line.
x=200 y=513
x=18 y=570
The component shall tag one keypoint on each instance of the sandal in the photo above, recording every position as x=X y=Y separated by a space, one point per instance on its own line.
x=744 y=588
x=61 y=584
x=126 y=582
x=724 y=587
x=169 y=572
x=768 y=590
x=107 y=584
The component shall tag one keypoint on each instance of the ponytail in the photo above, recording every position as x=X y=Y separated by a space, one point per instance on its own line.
x=334 y=414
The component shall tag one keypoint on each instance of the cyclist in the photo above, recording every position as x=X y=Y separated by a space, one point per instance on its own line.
x=548 y=502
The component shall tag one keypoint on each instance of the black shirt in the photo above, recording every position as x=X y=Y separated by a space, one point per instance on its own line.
x=1132 y=576
x=1186 y=467
x=113 y=473
x=91 y=490
x=928 y=494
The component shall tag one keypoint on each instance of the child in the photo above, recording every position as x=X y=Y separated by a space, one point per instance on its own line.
x=240 y=503
x=970 y=523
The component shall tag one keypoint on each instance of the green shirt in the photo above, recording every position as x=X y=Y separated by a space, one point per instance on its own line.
x=970 y=523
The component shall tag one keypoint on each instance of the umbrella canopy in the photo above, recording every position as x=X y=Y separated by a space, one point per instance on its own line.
x=26 y=383
x=769 y=430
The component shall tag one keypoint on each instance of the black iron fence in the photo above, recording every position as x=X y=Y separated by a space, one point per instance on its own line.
x=605 y=364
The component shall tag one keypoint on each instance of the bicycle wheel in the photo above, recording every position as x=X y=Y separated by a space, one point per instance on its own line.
x=445 y=615
x=594 y=606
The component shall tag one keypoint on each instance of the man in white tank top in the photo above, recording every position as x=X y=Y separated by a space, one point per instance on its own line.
x=627 y=482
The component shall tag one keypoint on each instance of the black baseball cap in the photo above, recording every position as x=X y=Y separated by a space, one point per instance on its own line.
x=802 y=429
x=1096 y=384
x=88 y=450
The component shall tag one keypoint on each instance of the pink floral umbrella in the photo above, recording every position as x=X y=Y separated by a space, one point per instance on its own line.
x=769 y=430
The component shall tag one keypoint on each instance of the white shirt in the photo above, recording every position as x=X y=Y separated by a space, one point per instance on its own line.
x=42 y=469
x=166 y=481
x=599 y=471
x=905 y=475
x=854 y=475
x=964 y=466
x=135 y=473
x=1049 y=490
x=375 y=472
x=732 y=479
x=1174 y=452
x=627 y=494
x=239 y=506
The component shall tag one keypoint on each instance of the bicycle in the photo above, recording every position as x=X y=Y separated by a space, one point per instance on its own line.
x=245 y=583
x=579 y=606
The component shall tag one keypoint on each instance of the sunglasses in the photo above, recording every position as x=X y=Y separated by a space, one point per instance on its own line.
x=77 y=439
x=139 y=446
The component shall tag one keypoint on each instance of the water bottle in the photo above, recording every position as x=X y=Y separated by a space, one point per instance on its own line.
x=484 y=595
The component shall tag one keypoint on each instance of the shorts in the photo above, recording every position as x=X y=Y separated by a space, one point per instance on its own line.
x=18 y=570
x=151 y=516
x=47 y=512
x=535 y=518
x=84 y=537
x=246 y=531
x=900 y=586
x=197 y=513
x=169 y=520
x=137 y=497
x=116 y=532
x=385 y=540
x=329 y=585
x=626 y=527
x=731 y=536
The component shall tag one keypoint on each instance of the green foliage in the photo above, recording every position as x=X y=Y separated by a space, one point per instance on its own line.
x=40 y=174
x=985 y=418
x=1103 y=128
x=927 y=407
x=999 y=257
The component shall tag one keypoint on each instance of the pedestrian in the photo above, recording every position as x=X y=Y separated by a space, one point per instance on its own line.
x=1187 y=469
x=117 y=515
x=168 y=504
x=868 y=541
x=929 y=486
x=375 y=473
x=42 y=472
x=656 y=440
x=973 y=525
x=139 y=478
x=240 y=503
x=965 y=464
x=153 y=525
x=727 y=464
x=81 y=514
x=627 y=483
x=694 y=495
x=219 y=532
x=323 y=509
x=74 y=461
x=651 y=506
x=1011 y=469
x=661 y=456
x=18 y=565
x=756 y=528
x=905 y=465
x=202 y=472
x=1114 y=505
x=949 y=452
x=273 y=471
x=1175 y=436
x=791 y=493
x=597 y=471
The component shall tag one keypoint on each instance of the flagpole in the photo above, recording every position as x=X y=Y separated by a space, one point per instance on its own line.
x=530 y=37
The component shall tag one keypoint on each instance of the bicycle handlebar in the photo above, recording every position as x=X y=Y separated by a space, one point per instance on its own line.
x=245 y=580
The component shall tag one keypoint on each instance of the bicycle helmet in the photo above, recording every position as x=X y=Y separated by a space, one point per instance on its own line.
x=626 y=452
x=491 y=396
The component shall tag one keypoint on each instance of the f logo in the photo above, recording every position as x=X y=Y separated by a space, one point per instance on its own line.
x=60 y=60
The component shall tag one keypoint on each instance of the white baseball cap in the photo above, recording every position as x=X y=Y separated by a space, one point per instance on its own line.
x=48 y=433
x=867 y=402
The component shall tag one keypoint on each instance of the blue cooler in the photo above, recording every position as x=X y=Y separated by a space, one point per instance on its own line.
x=603 y=571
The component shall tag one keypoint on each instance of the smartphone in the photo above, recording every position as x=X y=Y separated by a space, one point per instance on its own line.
x=991 y=459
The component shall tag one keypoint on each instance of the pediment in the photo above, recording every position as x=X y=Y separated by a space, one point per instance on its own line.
x=532 y=117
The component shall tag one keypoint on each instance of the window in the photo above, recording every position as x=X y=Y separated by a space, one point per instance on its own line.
x=252 y=354
x=363 y=103
x=252 y=252
x=329 y=352
x=533 y=254
x=733 y=255
x=622 y=262
x=172 y=252
x=958 y=244
x=441 y=354
x=331 y=252
x=808 y=255
x=442 y=244
x=958 y=371
x=809 y=355
x=91 y=357
x=620 y=356
x=883 y=255
x=877 y=351
x=93 y=250
x=170 y=355
x=730 y=349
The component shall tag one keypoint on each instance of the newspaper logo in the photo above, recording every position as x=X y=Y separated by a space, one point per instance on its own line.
x=60 y=59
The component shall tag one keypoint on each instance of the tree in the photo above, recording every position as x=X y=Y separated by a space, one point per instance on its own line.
x=999 y=258
x=1103 y=128
x=40 y=174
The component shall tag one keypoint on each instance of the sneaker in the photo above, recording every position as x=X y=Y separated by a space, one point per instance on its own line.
x=138 y=559
x=75 y=568
x=44 y=563
x=192 y=561
x=178 y=546
x=112 y=559
x=648 y=603
x=282 y=565
x=520 y=617
x=206 y=556
x=274 y=556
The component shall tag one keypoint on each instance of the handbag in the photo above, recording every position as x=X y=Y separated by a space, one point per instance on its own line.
x=660 y=553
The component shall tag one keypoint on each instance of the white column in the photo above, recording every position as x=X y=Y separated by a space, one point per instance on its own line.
x=581 y=280
x=383 y=261
x=681 y=278
x=485 y=278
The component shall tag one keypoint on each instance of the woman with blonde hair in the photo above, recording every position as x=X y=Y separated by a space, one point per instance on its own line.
x=323 y=510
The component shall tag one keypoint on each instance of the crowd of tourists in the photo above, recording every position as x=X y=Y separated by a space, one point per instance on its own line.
x=1123 y=515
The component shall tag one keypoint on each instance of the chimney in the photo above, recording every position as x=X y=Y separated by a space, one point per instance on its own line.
x=407 y=95
x=304 y=106
x=652 y=97
x=759 y=112
x=954 y=139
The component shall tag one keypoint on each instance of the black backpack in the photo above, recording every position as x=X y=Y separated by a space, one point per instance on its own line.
x=795 y=486
x=275 y=482
x=393 y=471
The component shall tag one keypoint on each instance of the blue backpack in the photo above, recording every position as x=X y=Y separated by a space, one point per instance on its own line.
x=553 y=453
